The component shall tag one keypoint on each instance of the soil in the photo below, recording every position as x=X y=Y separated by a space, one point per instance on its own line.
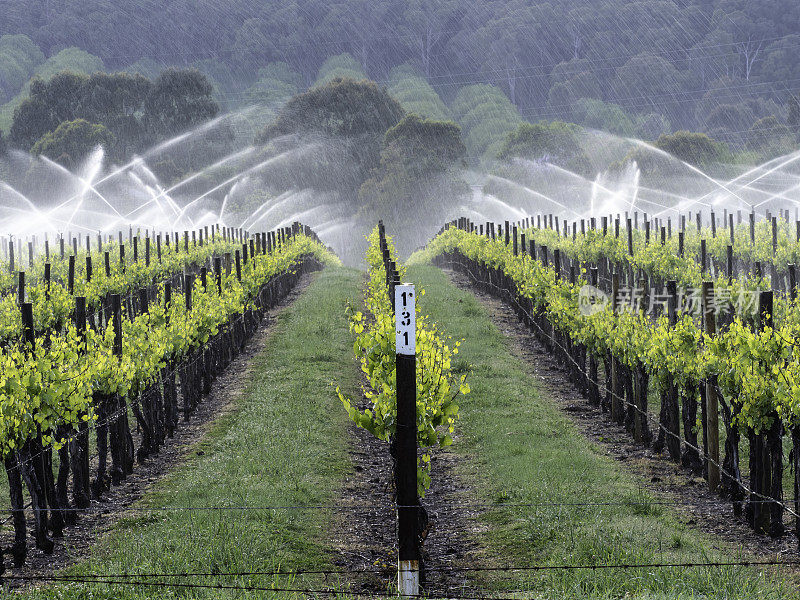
x=105 y=513
x=688 y=495
x=364 y=533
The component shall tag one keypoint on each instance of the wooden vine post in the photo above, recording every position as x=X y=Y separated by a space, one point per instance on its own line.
x=218 y=273
x=188 y=283
x=712 y=402
x=408 y=566
x=71 y=275
x=673 y=439
x=772 y=460
x=617 y=413
x=79 y=446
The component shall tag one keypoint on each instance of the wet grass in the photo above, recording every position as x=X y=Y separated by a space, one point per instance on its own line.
x=523 y=450
x=284 y=444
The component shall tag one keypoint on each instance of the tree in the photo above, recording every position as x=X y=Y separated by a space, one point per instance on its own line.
x=780 y=60
x=357 y=23
x=604 y=116
x=72 y=141
x=648 y=56
x=3 y=145
x=730 y=121
x=748 y=32
x=227 y=83
x=415 y=94
x=770 y=137
x=136 y=111
x=418 y=164
x=651 y=82
x=281 y=71
x=651 y=126
x=110 y=100
x=254 y=42
x=356 y=114
x=518 y=39
x=556 y=142
x=572 y=81
x=425 y=24
x=694 y=148
x=179 y=100
x=486 y=115
x=51 y=103
x=579 y=23
x=342 y=107
x=793 y=119
x=276 y=83
x=750 y=50
x=423 y=147
x=341 y=66
x=19 y=56
x=73 y=60
x=146 y=67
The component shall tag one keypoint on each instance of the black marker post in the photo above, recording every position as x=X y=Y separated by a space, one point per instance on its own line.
x=406 y=441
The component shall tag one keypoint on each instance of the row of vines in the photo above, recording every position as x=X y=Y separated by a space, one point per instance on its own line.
x=410 y=400
x=689 y=319
x=85 y=350
x=438 y=386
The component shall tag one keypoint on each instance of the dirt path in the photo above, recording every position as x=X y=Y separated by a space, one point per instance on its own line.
x=104 y=514
x=694 y=504
x=364 y=537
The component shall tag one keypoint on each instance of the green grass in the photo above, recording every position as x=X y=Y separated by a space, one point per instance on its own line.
x=284 y=444
x=522 y=449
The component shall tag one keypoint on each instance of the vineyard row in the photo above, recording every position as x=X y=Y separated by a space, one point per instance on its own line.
x=150 y=354
x=741 y=369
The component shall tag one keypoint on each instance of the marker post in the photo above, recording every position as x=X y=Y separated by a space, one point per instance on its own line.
x=406 y=441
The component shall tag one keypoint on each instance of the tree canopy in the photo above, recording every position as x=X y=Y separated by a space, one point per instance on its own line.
x=415 y=94
x=418 y=166
x=178 y=100
x=341 y=66
x=643 y=55
x=422 y=146
x=134 y=110
x=631 y=67
x=72 y=141
x=694 y=148
x=486 y=115
x=769 y=137
x=73 y=59
x=276 y=83
x=341 y=107
x=554 y=142
x=19 y=57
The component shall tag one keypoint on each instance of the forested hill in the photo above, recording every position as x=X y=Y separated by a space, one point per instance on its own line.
x=640 y=68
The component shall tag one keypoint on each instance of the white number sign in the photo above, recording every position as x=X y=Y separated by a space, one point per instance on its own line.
x=406 y=320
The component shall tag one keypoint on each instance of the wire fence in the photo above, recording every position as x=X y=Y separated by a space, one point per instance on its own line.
x=145 y=579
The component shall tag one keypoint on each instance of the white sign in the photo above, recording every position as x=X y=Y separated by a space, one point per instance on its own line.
x=405 y=319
